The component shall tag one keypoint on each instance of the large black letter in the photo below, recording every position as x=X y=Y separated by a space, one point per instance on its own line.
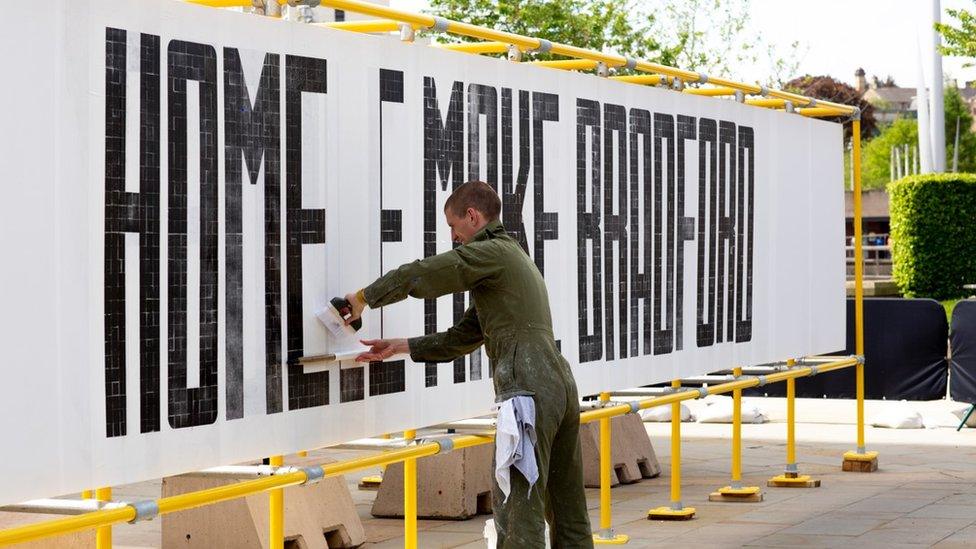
x=131 y=212
x=686 y=226
x=252 y=132
x=640 y=228
x=443 y=161
x=191 y=61
x=545 y=107
x=615 y=225
x=303 y=226
x=663 y=229
x=588 y=229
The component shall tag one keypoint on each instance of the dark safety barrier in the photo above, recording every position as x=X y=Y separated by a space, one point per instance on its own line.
x=905 y=347
x=963 y=345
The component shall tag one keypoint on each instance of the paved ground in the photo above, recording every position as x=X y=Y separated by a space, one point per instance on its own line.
x=924 y=494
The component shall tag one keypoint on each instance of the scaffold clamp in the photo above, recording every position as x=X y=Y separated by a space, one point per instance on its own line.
x=145 y=510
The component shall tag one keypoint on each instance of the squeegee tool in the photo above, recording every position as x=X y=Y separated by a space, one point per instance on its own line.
x=334 y=317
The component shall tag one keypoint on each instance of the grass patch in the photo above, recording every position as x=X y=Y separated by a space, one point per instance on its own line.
x=949 y=305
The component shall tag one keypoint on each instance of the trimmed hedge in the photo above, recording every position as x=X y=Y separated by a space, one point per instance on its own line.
x=933 y=234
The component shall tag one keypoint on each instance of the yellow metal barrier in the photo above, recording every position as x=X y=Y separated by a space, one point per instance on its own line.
x=410 y=497
x=103 y=536
x=791 y=477
x=606 y=535
x=676 y=511
x=735 y=491
x=182 y=502
x=276 y=510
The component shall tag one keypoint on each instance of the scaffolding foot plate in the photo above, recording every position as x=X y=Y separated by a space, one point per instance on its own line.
x=602 y=538
x=746 y=494
x=860 y=463
x=798 y=481
x=667 y=513
x=371 y=482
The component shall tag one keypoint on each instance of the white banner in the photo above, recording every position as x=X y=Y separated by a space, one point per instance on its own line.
x=185 y=187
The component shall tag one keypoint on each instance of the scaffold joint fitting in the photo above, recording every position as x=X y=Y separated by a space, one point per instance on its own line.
x=445 y=445
x=762 y=380
x=702 y=391
x=145 y=510
x=702 y=78
x=441 y=24
x=544 y=46
x=631 y=64
x=313 y=474
x=634 y=406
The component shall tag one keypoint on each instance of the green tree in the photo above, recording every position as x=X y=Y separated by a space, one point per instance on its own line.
x=877 y=152
x=618 y=26
x=829 y=88
x=959 y=39
x=713 y=36
x=956 y=108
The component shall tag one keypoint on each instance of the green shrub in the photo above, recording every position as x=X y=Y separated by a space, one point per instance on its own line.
x=933 y=234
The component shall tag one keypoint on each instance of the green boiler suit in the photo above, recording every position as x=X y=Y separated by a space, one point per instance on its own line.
x=510 y=316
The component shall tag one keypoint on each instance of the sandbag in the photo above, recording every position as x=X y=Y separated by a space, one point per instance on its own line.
x=721 y=412
x=663 y=414
x=898 y=417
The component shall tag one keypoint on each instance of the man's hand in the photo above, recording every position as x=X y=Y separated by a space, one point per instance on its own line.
x=382 y=349
x=357 y=304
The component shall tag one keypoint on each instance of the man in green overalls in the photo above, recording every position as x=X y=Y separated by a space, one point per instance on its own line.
x=510 y=316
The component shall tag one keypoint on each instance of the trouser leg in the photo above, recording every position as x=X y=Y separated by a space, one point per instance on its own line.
x=520 y=521
x=571 y=522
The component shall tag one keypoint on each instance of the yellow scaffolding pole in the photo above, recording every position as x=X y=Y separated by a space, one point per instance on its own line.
x=410 y=497
x=103 y=536
x=791 y=477
x=711 y=92
x=645 y=79
x=606 y=535
x=568 y=65
x=676 y=511
x=860 y=459
x=276 y=510
x=191 y=500
x=735 y=491
x=476 y=47
x=769 y=103
x=373 y=25
x=526 y=43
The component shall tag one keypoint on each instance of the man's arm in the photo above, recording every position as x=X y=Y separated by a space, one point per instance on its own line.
x=457 y=270
x=461 y=339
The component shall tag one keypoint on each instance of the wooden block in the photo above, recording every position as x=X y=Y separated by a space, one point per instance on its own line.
x=76 y=540
x=456 y=485
x=745 y=498
x=320 y=516
x=860 y=466
x=633 y=456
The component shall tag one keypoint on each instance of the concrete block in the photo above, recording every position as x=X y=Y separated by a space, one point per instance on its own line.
x=320 y=516
x=630 y=447
x=76 y=540
x=455 y=485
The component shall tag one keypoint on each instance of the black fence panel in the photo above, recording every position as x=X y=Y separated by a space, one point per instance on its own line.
x=905 y=343
x=962 y=341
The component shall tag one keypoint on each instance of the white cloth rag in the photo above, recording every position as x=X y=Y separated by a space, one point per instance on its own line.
x=515 y=440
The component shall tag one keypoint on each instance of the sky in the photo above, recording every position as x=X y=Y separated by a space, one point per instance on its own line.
x=839 y=36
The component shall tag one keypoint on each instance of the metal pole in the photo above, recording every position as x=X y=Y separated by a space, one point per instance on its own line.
x=276 y=510
x=103 y=536
x=737 y=433
x=676 y=509
x=410 y=497
x=861 y=459
x=955 y=149
x=858 y=284
x=606 y=534
x=937 y=127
